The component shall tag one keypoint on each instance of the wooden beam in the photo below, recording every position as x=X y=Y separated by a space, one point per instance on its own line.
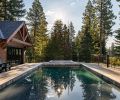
x=23 y=32
x=25 y=37
x=28 y=33
x=2 y=44
x=21 y=35
x=21 y=42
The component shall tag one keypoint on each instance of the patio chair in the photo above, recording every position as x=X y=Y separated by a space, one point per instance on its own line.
x=9 y=65
x=6 y=66
x=0 y=67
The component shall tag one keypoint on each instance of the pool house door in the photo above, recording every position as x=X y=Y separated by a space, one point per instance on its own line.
x=15 y=55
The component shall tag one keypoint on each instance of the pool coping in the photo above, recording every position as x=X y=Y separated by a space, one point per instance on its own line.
x=35 y=66
x=102 y=76
x=69 y=64
x=19 y=76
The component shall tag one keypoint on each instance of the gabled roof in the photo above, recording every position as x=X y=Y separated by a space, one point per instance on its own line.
x=7 y=28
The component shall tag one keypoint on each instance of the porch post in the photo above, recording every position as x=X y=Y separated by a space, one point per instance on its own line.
x=22 y=55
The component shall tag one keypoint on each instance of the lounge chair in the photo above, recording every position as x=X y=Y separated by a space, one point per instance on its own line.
x=0 y=67
x=5 y=66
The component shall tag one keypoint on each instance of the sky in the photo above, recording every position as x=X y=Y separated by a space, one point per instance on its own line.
x=70 y=10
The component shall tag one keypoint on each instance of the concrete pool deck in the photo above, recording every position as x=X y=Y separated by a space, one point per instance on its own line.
x=109 y=74
x=17 y=72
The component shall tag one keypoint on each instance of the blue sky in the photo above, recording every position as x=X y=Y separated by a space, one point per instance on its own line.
x=70 y=10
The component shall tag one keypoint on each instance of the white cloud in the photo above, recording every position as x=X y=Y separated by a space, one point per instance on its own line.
x=50 y=13
x=77 y=0
x=56 y=14
x=110 y=41
x=72 y=3
x=53 y=15
x=50 y=26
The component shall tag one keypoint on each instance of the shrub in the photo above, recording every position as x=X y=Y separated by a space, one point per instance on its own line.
x=115 y=61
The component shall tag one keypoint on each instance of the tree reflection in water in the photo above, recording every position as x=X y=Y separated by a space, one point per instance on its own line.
x=39 y=86
x=64 y=78
x=93 y=87
x=55 y=83
x=61 y=78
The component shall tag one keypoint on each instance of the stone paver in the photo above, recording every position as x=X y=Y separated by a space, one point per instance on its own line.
x=112 y=68
x=16 y=73
x=108 y=73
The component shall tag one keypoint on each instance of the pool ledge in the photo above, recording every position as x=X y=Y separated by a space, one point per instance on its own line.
x=17 y=72
x=104 y=73
x=68 y=63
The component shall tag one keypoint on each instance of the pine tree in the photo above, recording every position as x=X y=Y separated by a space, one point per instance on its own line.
x=71 y=37
x=16 y=9
x=77 y=45
x=38 y=26
x=72 y=31
x=67 y=44
x=1 y=12
x=94 y=29
x=59 y=46
x=86 y=44
x=57 y=40
x=11 y=9
x=117 y=47
x=88 y=21
x=106 y=17
x=95 y=35
x=3 y=9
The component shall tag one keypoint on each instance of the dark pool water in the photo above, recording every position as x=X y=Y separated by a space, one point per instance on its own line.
x=61 y=83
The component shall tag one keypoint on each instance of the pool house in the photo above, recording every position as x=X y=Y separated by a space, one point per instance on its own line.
x=14 y=39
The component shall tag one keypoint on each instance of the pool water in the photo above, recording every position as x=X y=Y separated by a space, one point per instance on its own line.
x=60 y=83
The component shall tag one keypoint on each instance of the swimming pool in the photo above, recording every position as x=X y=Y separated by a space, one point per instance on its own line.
x=60 y=83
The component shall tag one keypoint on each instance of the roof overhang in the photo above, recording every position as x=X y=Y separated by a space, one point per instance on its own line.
x=22 y=31
x=21 y=42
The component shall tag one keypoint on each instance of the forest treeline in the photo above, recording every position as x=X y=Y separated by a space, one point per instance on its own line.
x=61 y=42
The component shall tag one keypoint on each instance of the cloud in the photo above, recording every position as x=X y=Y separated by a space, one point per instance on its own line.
x=49 y=13
x=72 y=3
x=77 y=0
x=50 y=26
x=56 y=14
